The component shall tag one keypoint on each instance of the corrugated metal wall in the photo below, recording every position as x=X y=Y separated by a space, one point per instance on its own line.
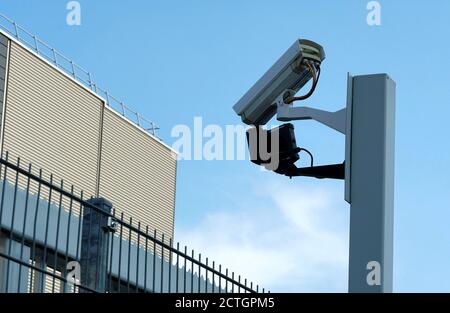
x=56 y=124
x=137 y=174
x=51 y=122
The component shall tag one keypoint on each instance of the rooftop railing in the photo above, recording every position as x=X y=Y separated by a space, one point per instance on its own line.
x=74 y=70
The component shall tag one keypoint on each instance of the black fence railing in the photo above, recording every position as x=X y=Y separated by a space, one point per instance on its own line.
x=53 y=240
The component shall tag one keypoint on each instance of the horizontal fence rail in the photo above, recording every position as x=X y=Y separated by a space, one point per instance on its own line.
x=75 y=71
x=53 y=240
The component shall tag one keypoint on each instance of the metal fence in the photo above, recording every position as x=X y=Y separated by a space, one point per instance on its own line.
x=74 y=70
x=53 y=240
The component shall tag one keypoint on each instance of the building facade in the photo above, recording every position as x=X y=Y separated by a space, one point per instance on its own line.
x=56 y=123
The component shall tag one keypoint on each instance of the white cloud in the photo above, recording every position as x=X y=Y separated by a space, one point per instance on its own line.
x=287 y=237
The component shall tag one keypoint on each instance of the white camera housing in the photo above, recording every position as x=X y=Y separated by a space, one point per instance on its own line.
x=258 y=105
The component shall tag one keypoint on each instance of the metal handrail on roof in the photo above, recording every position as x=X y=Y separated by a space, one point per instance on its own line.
x=74 y=70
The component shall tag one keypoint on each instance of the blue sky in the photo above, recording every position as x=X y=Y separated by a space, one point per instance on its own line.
x=174 y=60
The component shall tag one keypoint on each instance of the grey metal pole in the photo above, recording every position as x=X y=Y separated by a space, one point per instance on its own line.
x=94 y=245
x=371 y=183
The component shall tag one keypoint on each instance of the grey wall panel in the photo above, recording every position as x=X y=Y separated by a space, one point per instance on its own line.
x=3 y=40
x=2 y=62
x=3 y=50
x=137 y=174
x=3 y=54
x=51 y=121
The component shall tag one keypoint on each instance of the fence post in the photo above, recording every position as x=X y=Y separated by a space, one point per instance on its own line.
x=94 y=245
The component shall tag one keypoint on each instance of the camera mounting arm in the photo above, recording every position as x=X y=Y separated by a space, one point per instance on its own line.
x=334 y=120
x=287 y=112
x=333 y=171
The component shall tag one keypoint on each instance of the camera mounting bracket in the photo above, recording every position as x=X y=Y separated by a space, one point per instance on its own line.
x=287 y=112
x=333 y=171
x=335 y=120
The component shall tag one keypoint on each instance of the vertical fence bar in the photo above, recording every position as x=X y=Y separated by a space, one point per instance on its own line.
x=185 y=268
x=36 y=212
x=137 y=258
x=57 y=236
x=162 y=264
x=226 y=280
x=154 y=263
x=129 y=255
x=170 y=265
x=99 y=251
x=206 y=276
x=192 y=272
x=220 y=278
x=3 y=192
x=146 y=258
x=25 y=215
x=178 y=265
x=213 y=276
x=44 y=258
x=79 y=234
x=199 y=271
x=69 y=221
x=232 y=285
x=86 y=247
x=109 y=234
x=3 y=198
x=11 y=230
x=119 y=275
x=113 y=230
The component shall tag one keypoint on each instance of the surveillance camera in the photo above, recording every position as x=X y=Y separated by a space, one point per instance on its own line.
x=290 y=73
